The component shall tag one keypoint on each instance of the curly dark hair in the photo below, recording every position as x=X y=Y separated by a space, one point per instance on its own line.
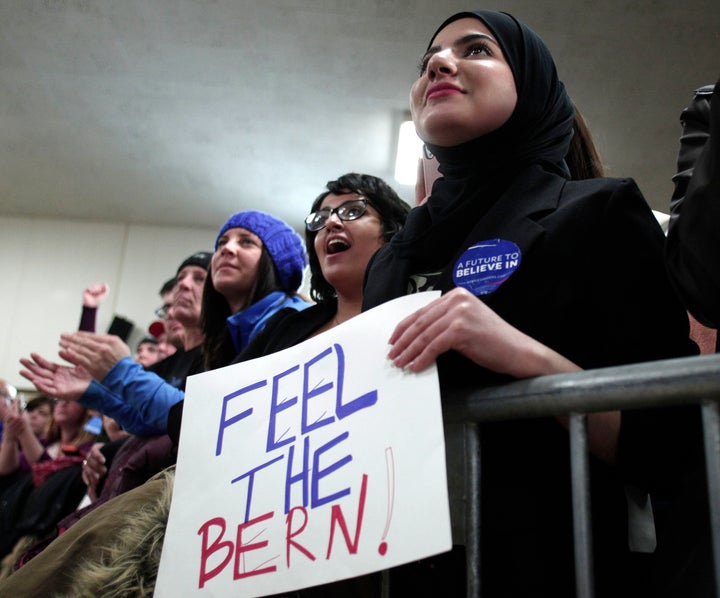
x=393 y=212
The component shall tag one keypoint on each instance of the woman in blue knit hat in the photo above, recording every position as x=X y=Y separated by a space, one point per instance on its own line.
x=348 y=222
x=255 y=271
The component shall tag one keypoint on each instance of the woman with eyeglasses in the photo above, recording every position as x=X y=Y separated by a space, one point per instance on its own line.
x=348 y=223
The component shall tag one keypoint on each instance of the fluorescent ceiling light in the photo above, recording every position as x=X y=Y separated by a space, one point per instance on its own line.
x=409 y=151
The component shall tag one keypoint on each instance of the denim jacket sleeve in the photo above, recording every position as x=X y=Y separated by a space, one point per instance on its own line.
x=98 y=397
x=146 y=396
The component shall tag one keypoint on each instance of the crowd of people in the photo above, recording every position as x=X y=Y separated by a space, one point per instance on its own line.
x=514 y=169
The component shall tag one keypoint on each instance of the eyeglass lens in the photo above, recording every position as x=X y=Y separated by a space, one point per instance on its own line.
x=349 y=210
x=161 y=312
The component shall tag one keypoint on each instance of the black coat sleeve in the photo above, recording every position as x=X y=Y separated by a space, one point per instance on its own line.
x=693 y=248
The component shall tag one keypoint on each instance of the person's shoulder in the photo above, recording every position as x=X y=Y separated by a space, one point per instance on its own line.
x=574 y=193
x=176 y=367
x=296 y=302
x=599 y=188
x=602 y=199
x=284 y=329
x=288 y=315
x=159 y=367
x=280 y=316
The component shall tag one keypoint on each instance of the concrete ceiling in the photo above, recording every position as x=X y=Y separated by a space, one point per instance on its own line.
x=180 y=112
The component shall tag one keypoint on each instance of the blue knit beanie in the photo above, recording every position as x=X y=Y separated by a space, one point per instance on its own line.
x=284 y=245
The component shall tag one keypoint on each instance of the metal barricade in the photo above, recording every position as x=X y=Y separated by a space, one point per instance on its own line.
x=683 y=381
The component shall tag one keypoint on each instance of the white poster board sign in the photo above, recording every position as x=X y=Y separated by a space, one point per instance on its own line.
x=313 y=464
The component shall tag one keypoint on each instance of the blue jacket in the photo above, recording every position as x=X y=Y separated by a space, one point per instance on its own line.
x=140 y=400
x=245 y=324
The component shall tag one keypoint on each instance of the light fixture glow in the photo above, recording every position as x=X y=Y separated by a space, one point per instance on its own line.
x=409 y=151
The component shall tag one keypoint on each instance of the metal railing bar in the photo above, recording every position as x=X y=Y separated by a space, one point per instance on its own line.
x=472 y=510
x=582 y=532
x=711 y=437
x=385 y=584
x=686 y=380
x=672 y=382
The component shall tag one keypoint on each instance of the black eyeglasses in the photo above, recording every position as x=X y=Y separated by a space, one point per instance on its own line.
x=162 y=312
x=350 y=210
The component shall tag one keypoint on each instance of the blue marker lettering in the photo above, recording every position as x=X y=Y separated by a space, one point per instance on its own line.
x=363 y=401
x=276 y=408
x=319 y=474
x=250 y=475
x=225 y=423
x=299 y=477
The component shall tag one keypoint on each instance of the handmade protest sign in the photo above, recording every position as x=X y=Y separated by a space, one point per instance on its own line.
x=313 y=464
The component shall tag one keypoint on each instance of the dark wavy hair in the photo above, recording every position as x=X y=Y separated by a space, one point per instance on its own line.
x=393 y=212
x=218 y=349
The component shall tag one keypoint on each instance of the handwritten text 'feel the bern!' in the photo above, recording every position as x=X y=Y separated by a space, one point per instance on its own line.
x=303 y=472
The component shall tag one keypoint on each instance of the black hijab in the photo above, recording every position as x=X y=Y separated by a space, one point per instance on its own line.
x=478 y=172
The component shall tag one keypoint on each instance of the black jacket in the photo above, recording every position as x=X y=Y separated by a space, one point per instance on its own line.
x=693 y=250
x=592 y=285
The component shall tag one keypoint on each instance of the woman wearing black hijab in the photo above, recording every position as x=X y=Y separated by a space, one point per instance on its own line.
x=574 y=264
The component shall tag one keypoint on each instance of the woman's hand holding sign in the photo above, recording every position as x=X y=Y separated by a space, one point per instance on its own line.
x=457 y=321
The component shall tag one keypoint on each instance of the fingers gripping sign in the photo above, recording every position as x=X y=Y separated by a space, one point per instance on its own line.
x=459 y=321
x=448 y=323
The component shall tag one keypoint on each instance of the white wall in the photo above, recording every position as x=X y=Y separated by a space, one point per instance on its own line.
x=46 y=264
